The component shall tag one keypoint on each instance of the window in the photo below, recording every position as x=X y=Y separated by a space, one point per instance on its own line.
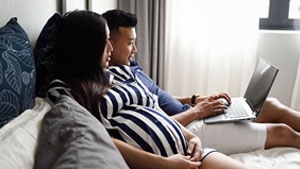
x=283 y=15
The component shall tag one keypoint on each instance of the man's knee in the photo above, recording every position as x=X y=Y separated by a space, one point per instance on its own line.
x=280 y=130
x=271 y=111
x=272 y=102
x=273 y=108
x=279 y=134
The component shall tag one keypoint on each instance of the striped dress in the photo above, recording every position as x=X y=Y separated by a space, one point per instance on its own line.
x=131 y=113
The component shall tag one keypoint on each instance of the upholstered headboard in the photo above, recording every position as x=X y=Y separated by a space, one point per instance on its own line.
x=32 y=14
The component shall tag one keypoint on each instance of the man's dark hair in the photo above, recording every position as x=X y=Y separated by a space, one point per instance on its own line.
x=118 y=18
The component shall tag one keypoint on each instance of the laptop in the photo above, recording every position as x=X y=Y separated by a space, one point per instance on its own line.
x=249 y=106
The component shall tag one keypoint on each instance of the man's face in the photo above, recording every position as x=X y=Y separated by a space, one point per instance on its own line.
x=123 y=43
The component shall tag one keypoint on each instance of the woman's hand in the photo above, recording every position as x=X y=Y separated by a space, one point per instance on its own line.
x=194 y=148
x=179 y=161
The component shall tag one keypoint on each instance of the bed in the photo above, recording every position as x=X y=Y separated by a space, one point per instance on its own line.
x=21 y=128
x=22 y=134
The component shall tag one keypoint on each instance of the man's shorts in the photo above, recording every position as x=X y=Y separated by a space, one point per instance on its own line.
x=230 y=138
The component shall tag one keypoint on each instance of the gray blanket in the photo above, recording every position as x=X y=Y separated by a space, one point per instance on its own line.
x=71 y=138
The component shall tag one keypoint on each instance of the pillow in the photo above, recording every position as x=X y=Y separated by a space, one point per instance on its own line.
x=18 y=138
x=17 y=72
x=71 y=137
x=44 y=52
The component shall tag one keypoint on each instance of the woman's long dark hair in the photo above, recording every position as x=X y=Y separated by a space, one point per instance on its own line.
x=81 y=41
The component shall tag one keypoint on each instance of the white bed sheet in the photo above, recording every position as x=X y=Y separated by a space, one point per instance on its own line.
x=275 y=158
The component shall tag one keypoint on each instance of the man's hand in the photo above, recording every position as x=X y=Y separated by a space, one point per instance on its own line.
x=218 y=96
x=211 y=105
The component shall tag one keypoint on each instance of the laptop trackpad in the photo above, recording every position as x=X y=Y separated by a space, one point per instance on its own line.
x=213 y=119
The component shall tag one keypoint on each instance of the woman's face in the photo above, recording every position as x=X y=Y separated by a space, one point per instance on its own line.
x=107 y=50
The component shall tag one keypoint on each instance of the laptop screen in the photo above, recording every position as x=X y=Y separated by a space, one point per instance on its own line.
x=260 y=84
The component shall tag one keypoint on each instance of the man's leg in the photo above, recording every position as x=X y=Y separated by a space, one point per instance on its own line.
x=231 y=138
x=243 y=137
x=275 y=112
x=281 y=135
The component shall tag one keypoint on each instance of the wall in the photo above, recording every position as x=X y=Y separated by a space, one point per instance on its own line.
x=98 y=6
x=281 y=48
x=101 y=6
x=33 y=14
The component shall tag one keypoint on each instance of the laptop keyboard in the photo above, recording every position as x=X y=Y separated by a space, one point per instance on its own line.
x=235 y=110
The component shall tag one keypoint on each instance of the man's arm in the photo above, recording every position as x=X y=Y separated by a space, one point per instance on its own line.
x=188 y=100
x=205 y=107
x=186 y=117
x=175 y=106
x=191 y=114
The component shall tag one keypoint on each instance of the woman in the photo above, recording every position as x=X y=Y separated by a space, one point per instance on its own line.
x=83 y=51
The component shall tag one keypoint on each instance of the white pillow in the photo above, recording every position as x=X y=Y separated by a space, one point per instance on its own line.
x=18 y=138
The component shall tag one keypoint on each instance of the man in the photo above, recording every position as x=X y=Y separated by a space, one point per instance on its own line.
x=277 y=125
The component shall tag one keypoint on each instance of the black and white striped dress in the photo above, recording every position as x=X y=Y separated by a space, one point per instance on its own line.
x=131 y=113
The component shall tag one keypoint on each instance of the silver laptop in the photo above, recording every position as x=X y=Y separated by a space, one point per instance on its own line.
x=249 y=106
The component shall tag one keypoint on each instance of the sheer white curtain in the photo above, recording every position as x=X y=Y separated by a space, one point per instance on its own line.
x=210 y=46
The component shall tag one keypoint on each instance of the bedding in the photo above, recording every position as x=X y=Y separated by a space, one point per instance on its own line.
x=22 y=133
x=77 y=140
x=44 y=54
x=275 y=158
x=17 y=71
x=18 y=138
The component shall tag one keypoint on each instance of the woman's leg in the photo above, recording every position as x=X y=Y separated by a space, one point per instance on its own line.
x=221 y=161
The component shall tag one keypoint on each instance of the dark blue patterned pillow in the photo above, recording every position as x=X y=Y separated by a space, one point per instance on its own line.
x=17 y=72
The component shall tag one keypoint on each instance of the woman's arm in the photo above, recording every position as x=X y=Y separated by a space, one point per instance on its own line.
x=136 y=159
